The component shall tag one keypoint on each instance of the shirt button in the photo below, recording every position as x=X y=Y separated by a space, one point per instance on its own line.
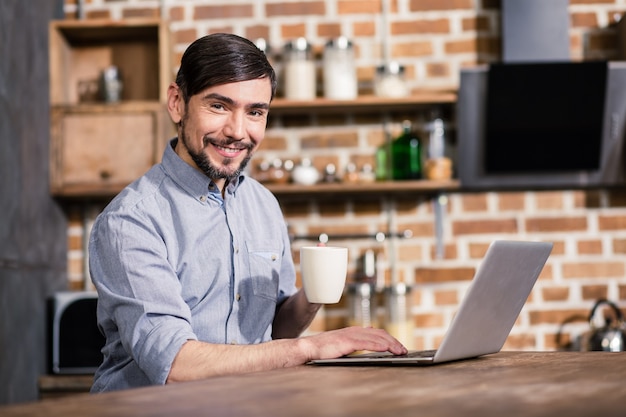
x=203 y=198
x=238 y=297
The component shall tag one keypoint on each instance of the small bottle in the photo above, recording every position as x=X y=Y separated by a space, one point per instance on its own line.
x=299 y=70
x=383 y=160
x=438 y=165
x=406 y=158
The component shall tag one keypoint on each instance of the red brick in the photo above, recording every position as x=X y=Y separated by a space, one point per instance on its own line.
x=549 y=200
x=418 y=229
x=474 y=202
x=153 y=12
x=292 y=31
x=511 y=201
x=555 y=293
x=606 y=269
x=176 y=14
x=223 y=11
x=330 y=140
x=185 y=36
x=429 y=320
x=556 y=224
x=259 y=31
x=412 y=49
x=554 y=316
x=302 y=8
x=461 y=47
x=446 y=297
x=478 y=250
x=329 y=30
x=274 y=143
x=594 y=292
x=360 y=7
x=409 y=253
x=587 y=20
x=589 y=247
x=450 y=251
x=523 y=341
x=428 y=5
x=437 y=69
x=467 y=227
x=98 y=14
x=421 y=26
x=619 y=246
x=364 y=29
x=431 y=275
x=617 y=222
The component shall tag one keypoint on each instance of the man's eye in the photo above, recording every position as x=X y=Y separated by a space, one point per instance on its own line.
x=218 y=106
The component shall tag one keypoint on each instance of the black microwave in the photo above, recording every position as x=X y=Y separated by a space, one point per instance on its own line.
x=75 y=342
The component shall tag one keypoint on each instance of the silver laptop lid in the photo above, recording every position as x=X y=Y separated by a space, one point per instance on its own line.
x=493 y=302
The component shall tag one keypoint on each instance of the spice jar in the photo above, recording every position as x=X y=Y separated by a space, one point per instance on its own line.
x=398 y=317
x=340 y=80
x=438 y=165
x=389 y=81
x=299 y=70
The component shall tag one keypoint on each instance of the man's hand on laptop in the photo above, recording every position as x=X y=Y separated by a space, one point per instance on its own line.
x=340 y=342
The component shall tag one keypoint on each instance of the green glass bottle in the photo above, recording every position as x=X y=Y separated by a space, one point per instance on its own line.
x=406 y=155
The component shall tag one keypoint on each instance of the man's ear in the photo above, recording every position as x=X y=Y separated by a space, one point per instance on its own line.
x=175 y=103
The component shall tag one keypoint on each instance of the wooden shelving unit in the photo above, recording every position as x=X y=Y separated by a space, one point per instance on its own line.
x=367 y=103
x=377 y=188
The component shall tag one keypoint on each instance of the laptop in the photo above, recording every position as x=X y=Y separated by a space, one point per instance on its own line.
x=498 y=292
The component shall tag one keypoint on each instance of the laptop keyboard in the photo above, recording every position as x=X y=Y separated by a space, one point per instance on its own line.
x=411 y=354
x=419 y=354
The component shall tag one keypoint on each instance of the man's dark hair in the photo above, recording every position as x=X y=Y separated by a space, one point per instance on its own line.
x=221 y=58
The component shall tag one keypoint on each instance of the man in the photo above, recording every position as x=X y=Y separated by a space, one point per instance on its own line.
x=192 y=261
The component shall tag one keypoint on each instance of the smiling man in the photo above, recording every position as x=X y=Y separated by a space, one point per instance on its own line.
x=192 y=261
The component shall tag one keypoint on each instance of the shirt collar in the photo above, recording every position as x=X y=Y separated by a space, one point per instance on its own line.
x=189 y=178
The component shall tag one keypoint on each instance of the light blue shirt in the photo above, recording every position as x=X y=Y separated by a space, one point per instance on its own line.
x=172 y=261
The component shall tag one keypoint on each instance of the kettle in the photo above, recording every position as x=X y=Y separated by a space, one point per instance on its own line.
x=611 y=336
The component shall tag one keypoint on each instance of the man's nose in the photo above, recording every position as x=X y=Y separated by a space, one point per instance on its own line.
x=235 y=126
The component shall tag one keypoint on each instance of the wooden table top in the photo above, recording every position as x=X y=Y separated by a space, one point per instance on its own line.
x=505 y=384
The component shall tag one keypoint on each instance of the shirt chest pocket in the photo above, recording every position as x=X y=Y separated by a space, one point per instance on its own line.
x=264 y=260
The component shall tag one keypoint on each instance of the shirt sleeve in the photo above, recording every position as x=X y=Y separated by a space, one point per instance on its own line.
x=139 y=292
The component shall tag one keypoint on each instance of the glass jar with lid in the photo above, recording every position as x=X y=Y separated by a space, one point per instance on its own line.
x=299 y=70
x=390 y=81
x=340 y=80
x=398 y=317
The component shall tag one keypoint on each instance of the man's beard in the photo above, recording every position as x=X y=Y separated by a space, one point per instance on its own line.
x=205 y=165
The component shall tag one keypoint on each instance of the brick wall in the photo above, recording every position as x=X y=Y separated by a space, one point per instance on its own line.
x=434 y=40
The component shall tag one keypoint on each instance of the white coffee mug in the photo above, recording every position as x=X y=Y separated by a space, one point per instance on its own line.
x=324 y=270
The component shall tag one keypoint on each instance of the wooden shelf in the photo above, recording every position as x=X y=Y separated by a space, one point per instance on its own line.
x=363 y=103
x=378 y=188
